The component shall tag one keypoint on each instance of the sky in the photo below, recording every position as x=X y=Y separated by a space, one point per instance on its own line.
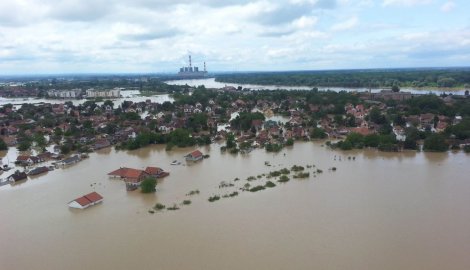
x=145 y=36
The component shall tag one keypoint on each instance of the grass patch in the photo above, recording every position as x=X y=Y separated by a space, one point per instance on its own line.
x=270 y=184
x=257 y=188
x=193 y=192
x=173 y=208
x=296 y=168
x=283 y=179
x=214 y=198
x=302 y=175
x=159 y=206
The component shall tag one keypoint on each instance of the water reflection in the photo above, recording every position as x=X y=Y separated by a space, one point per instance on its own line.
x=436 y=157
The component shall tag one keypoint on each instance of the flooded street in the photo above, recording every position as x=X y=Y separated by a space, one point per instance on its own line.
x=380 y=211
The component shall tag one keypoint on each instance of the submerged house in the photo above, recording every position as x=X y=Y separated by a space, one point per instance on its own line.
x=132 y=177
x=194 y=156
x=69 y=161
x=156 y=172
x=17 y=176
x=101 y=143
x=38 y=170
x=86 y=201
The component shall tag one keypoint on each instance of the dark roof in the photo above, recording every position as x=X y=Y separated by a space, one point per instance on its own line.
x=38 y=170
x=18 y=176
x=71 y=159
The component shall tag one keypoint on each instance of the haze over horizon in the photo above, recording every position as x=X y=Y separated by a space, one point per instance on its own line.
x=142 y=36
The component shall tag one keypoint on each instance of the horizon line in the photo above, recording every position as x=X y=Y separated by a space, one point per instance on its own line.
x=171 y=73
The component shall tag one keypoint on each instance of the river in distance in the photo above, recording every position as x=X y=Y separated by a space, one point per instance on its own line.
x=385 y=211
x=211 y=83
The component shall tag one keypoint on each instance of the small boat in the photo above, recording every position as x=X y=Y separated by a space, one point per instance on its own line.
x=175 y=162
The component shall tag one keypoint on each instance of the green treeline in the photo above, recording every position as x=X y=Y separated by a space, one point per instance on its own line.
x=178 y=137
x=459 y=77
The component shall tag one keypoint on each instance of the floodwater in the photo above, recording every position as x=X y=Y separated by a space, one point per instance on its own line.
x=128 y=95
x=211 y=83
x=381 y=211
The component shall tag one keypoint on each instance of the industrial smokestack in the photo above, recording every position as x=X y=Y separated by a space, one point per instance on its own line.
x=190 y=61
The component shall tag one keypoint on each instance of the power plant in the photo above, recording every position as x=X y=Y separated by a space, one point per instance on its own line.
x=191 y=72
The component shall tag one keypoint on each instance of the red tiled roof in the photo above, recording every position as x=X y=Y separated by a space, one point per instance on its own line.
x=362 y=130
x=22 y=158
x=196 y=154
x=93 y=197
x=89 y=198
x=83 y=201
x=153 y=170
x=126 y=172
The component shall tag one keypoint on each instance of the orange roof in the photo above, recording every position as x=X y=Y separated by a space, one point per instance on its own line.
x=196 y=154
x=127 y=173
x=22 y=158
x=362 y=130
x=153 y=170
x=89 y=198
x=83 y=201
x=93 y=197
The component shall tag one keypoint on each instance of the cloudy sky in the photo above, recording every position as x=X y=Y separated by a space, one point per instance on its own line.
x=68 y=36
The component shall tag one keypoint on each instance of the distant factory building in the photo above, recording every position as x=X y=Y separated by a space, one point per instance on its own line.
x=192 y=72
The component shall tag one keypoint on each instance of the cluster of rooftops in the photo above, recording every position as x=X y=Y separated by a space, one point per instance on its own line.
x=132 y=177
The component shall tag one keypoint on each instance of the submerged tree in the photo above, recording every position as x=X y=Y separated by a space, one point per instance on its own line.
x=148 y=185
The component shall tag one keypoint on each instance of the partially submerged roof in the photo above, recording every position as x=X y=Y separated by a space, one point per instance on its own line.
x=90 y=198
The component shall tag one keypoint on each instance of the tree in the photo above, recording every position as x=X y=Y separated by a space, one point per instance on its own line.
x=24 y=144
x=318 y=133
x=376 y=116
x=3 y=145
x=231 y=141
x=371 y=140
x=289 y=142
x=435 y=143
x=395 y=88
x=40 y=140
x=108 y=103
x=148 y=185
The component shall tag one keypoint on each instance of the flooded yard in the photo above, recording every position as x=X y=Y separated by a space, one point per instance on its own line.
x=379 y=211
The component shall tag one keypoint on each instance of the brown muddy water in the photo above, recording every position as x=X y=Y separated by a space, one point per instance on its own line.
x=381 y=211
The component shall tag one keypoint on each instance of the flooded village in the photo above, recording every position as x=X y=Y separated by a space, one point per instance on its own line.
x=268 y=177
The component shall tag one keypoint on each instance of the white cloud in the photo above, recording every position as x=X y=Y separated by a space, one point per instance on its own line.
x=405 y=2
x=156 y=35
x=346 y=25
x=448 y=6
